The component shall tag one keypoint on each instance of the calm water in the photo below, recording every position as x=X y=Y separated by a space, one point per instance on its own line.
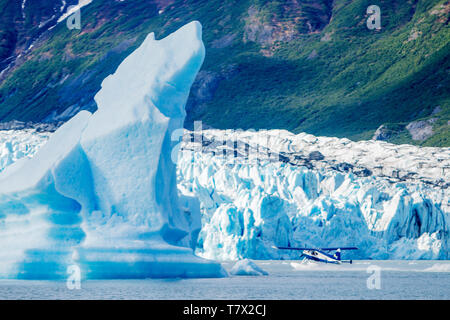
x=286 y=280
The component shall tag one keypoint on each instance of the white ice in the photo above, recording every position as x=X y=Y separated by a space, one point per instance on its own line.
x=400 y=209
x=247 y=267
x=16 y=144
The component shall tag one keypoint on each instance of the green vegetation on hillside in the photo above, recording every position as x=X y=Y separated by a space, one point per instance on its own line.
x=308 y=73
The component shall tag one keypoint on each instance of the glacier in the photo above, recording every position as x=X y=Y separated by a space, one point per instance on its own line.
x=260 y=189
x=16 y=144
x=101 y=193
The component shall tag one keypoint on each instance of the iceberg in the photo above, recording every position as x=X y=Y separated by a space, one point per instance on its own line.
x=101 y=193
x=247 y=267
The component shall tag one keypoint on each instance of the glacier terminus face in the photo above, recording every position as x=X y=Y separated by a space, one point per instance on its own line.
x=261 y=189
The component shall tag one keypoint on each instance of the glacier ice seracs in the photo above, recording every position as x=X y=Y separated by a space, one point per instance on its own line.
x=101 y=193
x=16 y=144
x=273 y=188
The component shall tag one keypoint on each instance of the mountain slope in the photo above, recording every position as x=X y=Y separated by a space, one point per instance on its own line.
x=308 y=65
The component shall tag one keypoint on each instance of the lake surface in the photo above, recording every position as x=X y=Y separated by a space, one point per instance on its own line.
x=286 y=280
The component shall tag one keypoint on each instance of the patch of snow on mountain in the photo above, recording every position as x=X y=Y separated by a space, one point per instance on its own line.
x=81 y=4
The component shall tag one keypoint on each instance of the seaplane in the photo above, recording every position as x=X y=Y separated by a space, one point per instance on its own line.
x=324 y=255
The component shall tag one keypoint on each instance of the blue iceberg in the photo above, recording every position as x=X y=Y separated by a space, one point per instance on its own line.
x=102 y=192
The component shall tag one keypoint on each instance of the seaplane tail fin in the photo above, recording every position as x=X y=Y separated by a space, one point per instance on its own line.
x=337 y=254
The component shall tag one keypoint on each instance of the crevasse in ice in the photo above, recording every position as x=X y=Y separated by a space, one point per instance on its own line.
x=102 y=193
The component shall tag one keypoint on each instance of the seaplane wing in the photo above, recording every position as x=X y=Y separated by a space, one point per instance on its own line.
x=322 y=249
x=291 y=248
x=338 y=248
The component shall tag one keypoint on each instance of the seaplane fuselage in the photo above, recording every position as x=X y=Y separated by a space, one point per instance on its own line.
x=323 y=254
x=317 y=255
